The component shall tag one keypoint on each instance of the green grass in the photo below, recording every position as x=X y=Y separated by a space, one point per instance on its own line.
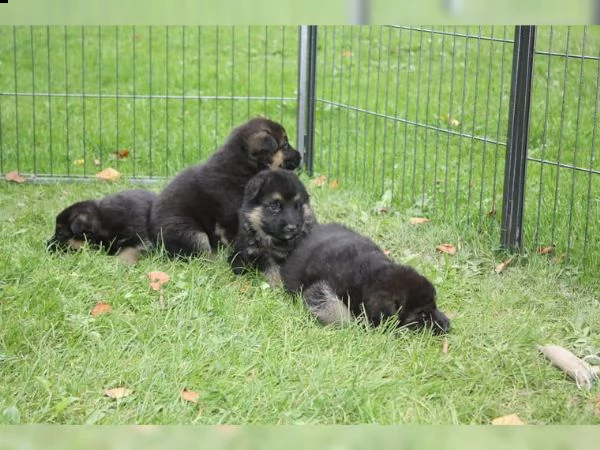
x=255 y=356
x=138 y=86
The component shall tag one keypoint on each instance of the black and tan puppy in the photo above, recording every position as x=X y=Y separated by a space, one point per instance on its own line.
x=275 y=215
x=341 y=274
x=118 y=223
x=199 y=207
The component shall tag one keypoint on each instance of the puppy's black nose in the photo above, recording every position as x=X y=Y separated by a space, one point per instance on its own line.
x=441 y=322
x=290 y=228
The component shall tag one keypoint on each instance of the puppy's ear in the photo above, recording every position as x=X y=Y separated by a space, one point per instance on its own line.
x=84 y=223
x=261 y=142
x=253 y=188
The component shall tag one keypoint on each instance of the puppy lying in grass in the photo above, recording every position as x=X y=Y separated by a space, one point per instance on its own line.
x=342 y=274
x=199 y=207
x=117 y=223
x=275 y=215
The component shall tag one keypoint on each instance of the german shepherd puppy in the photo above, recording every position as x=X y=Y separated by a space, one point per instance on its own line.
x=118 y=223
x=341 y=274
x=275 y=215
x=199 y=207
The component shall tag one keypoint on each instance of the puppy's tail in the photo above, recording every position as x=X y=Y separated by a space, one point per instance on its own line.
x=322 y=302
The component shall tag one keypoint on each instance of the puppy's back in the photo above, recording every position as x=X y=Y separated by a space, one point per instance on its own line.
x=330 y=252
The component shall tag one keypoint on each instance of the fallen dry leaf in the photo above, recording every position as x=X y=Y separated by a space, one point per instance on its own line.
x=334 y=184
x=97 y=162
x=418 y=220
x=446 y=248
x=545 y=250
x=79 y=162
x=157 y=279
x=491 y=212
x=346 y=53
x=454 y=122
x=121 y=154
x=320 y=181
x=101 y=308
x=14 y=177
x=108 y=174
x=190 y=396
x=500 y=267
x=511 y=419
x=118 y=392
x=445 y=346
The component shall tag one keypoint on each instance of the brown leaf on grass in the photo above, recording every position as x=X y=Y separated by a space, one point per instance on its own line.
x=79 y=162
x=334 y=184
x=492 y=212
x=97 y=162
x=118 y=392
x=157 y=279
x=500 y=267
x=346 y=53
x=450 y=120
x=445 y=346
x=108 y=174
x=320 y=181
x=446 y=248
x=545 y=250
x=190 y=396
x=101 y=308
x=418 y=220
x=121 y=154
x=14 y=177
x=511 y=419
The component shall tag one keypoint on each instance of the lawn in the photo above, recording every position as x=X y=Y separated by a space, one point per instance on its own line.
x=253 y=354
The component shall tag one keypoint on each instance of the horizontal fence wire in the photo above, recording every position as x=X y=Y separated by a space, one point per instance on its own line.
x=418 y=114
x=146 y=100
x=414 y=115
x=563 y=201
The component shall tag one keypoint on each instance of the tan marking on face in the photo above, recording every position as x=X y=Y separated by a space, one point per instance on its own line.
x=276 y=196
x=220 y=231
x=297 y=197
x=277 y=160
x=254 y=217
x=75 y=244
x=307 y=214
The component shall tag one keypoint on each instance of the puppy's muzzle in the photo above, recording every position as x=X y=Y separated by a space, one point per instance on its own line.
x=291 y=159
x=440 y=323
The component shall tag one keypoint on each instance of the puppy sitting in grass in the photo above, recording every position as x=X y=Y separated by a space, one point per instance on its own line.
x=118 y=223
x=275 y=215
x=342 y=274
x=198 y=209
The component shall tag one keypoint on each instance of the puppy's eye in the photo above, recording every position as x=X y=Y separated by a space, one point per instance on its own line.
x=274 y=207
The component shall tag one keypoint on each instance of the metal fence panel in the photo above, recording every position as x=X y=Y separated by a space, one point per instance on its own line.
x=72 y=99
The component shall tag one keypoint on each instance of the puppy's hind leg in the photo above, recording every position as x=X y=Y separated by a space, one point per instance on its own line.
x=325 y=305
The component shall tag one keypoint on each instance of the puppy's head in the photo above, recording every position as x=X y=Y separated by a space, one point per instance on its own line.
x=75 y=225
x=412 y=298
x=266 y=143
x=276 y=204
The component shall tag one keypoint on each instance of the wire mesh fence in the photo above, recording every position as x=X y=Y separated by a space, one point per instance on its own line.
x=417 y=115
x=75 y=99
x=421 y=115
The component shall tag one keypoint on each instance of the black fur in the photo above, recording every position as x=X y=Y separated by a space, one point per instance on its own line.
x=275 y=215
x=199 y=207
x=115 y=222
x=343 y=274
